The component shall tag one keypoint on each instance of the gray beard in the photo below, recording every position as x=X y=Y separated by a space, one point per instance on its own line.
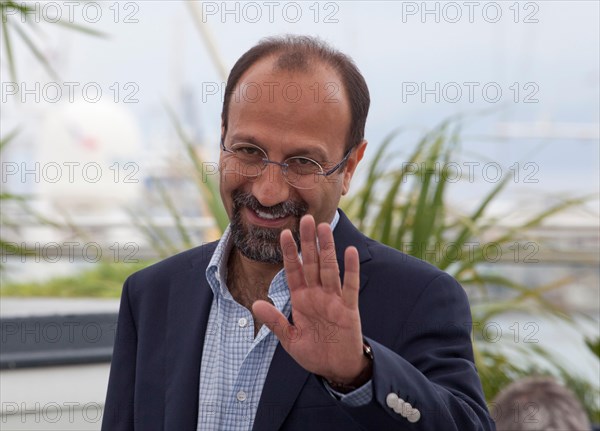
x=260 y=243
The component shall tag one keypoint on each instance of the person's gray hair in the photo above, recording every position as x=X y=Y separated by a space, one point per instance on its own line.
x=538 y=403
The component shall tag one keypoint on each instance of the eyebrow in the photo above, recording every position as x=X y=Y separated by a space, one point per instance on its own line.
x=315 y=153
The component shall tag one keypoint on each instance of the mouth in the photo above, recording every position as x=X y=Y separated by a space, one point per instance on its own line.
x=268 y=216
x=256 y=228
x=266 y=219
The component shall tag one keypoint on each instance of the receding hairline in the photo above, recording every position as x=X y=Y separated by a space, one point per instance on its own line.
x=297 y=53
x=281 y=62
x=272 y=65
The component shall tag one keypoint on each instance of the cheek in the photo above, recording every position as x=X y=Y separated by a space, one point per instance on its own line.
x=334 y=185
x=225 y=197
x=228 y=182
x=323 y=196
x=229 y=178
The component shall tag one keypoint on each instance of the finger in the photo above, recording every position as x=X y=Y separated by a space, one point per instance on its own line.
x=310 y=255
x=329 y=270
x=270 y=316
x=291 y=261
x=351 y=277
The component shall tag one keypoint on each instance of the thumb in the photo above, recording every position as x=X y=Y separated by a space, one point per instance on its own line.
x=270 y=316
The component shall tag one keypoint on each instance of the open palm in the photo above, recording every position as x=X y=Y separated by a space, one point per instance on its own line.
x=325 y=337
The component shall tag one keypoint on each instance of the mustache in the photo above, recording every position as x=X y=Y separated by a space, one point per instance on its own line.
x=283 y=209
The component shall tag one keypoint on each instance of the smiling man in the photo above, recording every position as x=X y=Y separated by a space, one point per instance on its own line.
x=294 y=319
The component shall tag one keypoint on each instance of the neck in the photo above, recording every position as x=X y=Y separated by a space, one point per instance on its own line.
x=249 y=280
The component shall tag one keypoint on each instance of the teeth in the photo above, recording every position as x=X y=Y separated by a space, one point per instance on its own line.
x=267 y=216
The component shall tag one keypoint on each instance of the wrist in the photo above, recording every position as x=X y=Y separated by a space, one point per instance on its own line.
x=363 y=377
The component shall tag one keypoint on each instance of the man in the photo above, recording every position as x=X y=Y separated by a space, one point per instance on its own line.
x=294 y=320
x=538 y=404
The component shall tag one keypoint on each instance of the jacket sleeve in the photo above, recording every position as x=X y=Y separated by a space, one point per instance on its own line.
x=118 y=408
x=430 y=367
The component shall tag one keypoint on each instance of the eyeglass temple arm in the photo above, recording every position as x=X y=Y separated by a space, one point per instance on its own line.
x=336 y=167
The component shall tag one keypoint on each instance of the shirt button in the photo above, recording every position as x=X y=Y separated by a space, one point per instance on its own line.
x=241 y=396
x=243 y=322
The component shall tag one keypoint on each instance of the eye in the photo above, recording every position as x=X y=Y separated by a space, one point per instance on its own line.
x=303 y=165
x=301 y=161
x=248 y=151
x=245 y=149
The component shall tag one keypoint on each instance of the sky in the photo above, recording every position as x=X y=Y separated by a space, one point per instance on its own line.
x=525 y=75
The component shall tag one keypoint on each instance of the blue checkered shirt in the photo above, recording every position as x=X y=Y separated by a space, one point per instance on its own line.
x=234 y=362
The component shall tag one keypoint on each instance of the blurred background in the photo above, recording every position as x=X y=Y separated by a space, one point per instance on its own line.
x=483 y=159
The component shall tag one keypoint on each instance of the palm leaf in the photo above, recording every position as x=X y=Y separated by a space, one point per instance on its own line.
x=36 y=52
x=208 y=186
x=8 y=46
x=168 y=202
x=365 y=197
x=82 y=29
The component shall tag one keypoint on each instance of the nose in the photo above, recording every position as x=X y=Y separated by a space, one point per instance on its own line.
x=271 y=188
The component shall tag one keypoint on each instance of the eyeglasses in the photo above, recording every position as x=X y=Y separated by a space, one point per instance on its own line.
x=298 y=171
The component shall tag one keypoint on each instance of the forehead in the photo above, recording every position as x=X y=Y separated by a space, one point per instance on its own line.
x=306 y=105
x=313 y=82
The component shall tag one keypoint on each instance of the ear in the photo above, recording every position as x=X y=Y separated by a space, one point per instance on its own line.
x=353 y=160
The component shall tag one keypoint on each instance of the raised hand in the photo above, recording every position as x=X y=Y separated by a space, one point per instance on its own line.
x=326 y=337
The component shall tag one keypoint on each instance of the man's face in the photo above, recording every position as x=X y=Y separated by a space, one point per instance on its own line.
x=286 y=114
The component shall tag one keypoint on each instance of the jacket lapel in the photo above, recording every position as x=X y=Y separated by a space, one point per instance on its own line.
x=286 y=378
x=284 y=382
x=190 y=298
x=346 y=235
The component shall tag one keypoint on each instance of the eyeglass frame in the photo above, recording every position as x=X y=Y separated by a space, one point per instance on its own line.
x=283 y=165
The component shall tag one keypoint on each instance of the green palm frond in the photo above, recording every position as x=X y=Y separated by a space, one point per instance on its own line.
x=403 y=205
x=16 y=16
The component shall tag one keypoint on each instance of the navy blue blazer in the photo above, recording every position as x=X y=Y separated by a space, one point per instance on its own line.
x=415 y=317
